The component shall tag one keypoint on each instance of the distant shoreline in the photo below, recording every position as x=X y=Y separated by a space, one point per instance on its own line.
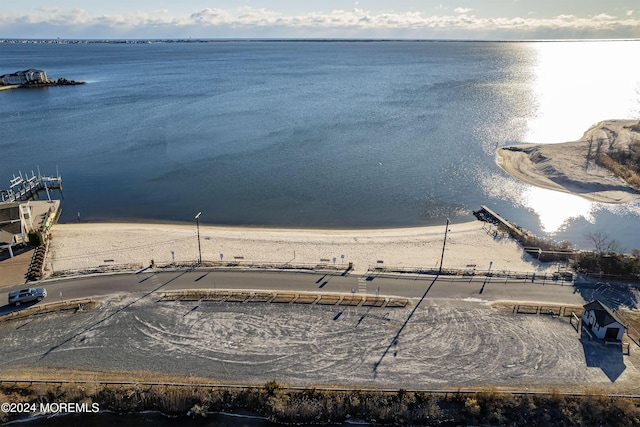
x=298 y=40
x=569 y=167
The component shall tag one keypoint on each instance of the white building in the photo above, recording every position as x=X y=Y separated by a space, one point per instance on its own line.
x=29 y=76
x=600 y=320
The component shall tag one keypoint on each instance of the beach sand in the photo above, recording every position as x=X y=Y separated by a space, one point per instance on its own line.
x=81 y=246
x=569 y=166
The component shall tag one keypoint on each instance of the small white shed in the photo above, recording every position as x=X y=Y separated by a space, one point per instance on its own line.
x=602 y=321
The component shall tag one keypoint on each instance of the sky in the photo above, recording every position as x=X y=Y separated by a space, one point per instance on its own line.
x=368 y=19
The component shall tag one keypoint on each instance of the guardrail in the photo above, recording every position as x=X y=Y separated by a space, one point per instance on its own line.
x=242 y=263
x=548 y=309
x=292 y=297
x=471 y=271
x=248 y=264
x=73 y=304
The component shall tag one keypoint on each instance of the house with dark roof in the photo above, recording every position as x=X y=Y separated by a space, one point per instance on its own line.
x=602 y=321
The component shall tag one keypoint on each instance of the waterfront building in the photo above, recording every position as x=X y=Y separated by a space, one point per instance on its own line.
x=30 y=76
x=602 y=322
x=16 y=221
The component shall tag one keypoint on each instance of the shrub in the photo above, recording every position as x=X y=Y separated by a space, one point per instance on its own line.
x=272 y=388
x=35 y=238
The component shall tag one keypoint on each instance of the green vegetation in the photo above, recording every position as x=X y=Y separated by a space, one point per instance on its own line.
x=607 y=259
x=279 y=404
x=35 y=238
x=610 y=263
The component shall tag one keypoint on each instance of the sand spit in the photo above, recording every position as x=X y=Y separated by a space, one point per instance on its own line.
x=570 y=166
x=80 y=246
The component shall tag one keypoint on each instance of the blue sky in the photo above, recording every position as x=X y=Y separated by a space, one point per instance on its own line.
x=426 y=19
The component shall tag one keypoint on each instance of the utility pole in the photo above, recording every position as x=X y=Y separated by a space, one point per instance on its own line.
x=443 y=246
x=198 y=228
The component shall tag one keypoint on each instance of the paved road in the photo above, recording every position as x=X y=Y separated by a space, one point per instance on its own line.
x=411 y=286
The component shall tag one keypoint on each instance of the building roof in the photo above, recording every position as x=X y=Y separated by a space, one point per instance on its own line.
x=604 y=316
x=10 y=224
x=9 y=211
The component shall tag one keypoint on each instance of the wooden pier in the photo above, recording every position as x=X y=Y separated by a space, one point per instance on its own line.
x=487 y=215
x=27 y=188
x=541 y=249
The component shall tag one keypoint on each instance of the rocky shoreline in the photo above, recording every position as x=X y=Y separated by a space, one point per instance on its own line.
x=59 y=82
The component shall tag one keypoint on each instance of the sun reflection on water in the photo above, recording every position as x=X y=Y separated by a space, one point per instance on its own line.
x=576 y=85
x=555 y=208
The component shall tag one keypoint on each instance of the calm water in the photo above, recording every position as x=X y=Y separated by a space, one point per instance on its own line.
x=314 y=134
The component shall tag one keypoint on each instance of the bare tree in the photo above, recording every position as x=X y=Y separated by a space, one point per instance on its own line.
x=602 y=243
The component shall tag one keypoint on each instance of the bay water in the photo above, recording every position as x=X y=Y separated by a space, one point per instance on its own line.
x=314 y=134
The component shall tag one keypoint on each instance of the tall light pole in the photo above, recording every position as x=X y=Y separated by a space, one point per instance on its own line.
x=198 y=228
x=443 y=245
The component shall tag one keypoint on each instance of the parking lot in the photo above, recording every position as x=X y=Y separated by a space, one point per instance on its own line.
x=446 y=343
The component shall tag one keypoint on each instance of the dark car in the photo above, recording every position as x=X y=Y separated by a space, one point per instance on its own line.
x=26 y=295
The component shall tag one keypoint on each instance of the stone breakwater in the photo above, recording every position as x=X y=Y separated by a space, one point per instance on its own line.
x=59 y=82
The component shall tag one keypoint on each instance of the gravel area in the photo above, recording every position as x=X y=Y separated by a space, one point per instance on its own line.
x=445 y=344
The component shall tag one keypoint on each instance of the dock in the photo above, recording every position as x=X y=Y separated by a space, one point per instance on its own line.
x=541 y=249
x=487 y=215
x=23 y=188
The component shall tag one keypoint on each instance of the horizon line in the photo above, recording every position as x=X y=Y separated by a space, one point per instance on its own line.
x=302 y=39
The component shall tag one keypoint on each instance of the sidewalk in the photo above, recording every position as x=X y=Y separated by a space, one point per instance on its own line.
x=13 y=270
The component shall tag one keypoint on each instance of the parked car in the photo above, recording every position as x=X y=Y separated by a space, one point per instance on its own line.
x=26 y=295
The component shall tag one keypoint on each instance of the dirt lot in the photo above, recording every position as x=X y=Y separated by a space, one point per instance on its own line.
x=445 y=344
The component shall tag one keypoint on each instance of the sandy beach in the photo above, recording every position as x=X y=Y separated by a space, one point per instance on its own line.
x=569 y=166
x=469 y=245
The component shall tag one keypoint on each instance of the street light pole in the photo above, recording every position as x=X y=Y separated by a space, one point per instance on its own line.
x=443 y=246
x=198 y=228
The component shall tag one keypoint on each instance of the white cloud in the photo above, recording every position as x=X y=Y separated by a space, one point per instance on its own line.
x=629 y=12
x=462 y=10
x=252 y=22
x=210 y=16
x=604 y=17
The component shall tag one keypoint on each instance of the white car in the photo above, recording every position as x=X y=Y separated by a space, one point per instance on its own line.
x=26 y=295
